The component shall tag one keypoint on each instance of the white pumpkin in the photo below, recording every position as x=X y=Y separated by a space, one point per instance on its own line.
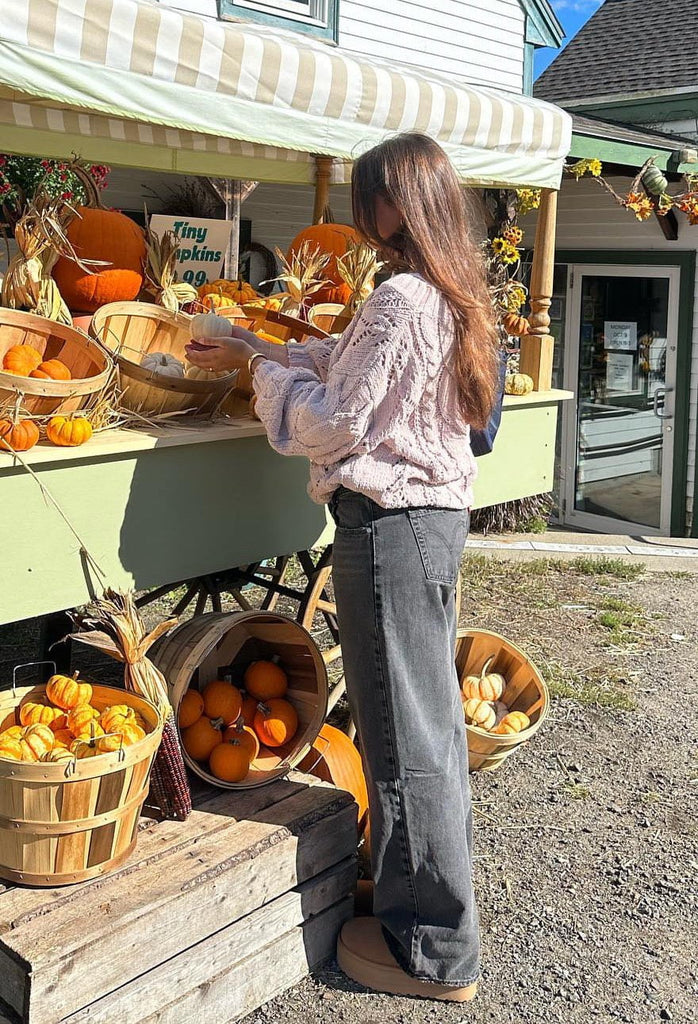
x=197 y=373
x=163 y=363
x=208 y=325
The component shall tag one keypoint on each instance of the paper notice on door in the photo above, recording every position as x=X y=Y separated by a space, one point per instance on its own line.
x=620 y=335
x=619 y=373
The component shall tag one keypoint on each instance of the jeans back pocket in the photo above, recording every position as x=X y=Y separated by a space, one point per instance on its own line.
x=440 y=535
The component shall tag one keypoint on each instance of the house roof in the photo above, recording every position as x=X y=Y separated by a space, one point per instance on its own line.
x=627 y=48
x=615 y=132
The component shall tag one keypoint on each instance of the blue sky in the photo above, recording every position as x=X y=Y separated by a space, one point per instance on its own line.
x=572 y=14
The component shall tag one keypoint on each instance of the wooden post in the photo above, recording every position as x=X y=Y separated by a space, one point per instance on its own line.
x=323 y=173
x=232 y=213
x=537 y=346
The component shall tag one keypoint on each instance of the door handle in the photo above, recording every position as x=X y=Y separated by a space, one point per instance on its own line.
x=660 y=394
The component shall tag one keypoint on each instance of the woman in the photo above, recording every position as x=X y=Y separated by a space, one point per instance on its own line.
x=383 y=415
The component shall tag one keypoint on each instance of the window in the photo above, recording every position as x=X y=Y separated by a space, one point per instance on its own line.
x=317 y=17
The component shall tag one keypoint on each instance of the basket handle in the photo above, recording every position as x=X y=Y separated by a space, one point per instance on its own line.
x=28 y=664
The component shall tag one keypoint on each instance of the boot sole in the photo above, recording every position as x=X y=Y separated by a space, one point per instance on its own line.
x=386 y=978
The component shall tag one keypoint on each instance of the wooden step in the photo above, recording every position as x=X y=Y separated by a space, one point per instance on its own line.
x=187 y=883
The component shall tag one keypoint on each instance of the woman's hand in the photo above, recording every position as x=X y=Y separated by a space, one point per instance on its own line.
x=222 y=353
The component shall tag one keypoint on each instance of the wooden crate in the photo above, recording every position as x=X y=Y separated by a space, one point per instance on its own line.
x=210 y=919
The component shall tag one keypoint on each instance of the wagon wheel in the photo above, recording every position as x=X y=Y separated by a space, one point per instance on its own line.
x=267 y=575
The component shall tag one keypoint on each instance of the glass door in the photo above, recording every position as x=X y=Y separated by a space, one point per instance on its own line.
x=620 y=361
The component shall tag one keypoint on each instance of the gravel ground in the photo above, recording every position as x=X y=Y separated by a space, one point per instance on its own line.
x=587 y=840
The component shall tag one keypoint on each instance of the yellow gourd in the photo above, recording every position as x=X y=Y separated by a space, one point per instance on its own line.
x=515 y=721
x=518 y=384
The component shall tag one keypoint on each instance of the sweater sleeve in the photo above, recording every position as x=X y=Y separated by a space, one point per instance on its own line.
x=313 y=355
x=327 y=421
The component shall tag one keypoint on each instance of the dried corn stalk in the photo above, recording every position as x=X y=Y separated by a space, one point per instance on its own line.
x=113 y=625
x=358 y=268
x=302 y=276
x=161 y=271
x=41 y=239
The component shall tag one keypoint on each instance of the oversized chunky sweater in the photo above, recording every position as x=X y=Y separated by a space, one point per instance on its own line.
x=376 y=410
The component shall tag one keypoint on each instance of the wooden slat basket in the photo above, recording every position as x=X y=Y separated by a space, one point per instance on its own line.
x=526 y=691
x=330 y=317
x=216 y=643
x=89 y=363
x=66 y=822
x=131 y=330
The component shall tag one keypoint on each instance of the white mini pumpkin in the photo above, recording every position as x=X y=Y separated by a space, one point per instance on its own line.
x=163 y=363
x=197 y=373
x=208 y=325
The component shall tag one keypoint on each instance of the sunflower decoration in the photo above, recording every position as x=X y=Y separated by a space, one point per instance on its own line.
x=513 y=297
x=689 y=206
x=586 y=166
x=513 y=234
x=505 y=251
x=527 y=199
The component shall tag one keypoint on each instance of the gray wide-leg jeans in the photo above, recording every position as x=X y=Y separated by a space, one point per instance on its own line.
x=394 y=575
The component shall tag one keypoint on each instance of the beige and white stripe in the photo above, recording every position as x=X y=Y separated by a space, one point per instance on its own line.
x=134 y=62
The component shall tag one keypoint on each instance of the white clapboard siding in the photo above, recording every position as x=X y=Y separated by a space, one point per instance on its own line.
x=687 y=128
x=479 y=41
x=590 y=219
x=617 y=434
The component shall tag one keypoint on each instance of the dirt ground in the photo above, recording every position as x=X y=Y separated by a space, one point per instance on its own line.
x=587 y=840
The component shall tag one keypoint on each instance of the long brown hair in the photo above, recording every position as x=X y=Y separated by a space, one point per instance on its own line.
x=415 y=176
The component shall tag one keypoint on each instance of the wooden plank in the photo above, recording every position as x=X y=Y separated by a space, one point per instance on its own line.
x=230 y=872
x=214 y=807
x=193 y=968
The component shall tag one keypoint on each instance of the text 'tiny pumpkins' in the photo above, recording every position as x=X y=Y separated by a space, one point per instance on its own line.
x=107 y=235
x=333 y=239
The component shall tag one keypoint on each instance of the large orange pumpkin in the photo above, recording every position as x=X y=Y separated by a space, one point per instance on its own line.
x=101 y=234
x=331 y=238
x=334 y=758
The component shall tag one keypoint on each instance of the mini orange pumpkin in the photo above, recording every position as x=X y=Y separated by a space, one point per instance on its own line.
x=52 y=369
x=479 y=713
x=67 y=692
x=39 y=738
x=222 y=700
x=515 y=324
x=10 y=747
x=201 y=737
x=31 y=713
x=15 y=731
x=276 y=722
x=18 y=436
x=214 y=301
x=229 y=761
x=58 y=754
x=68 y=431
x=28 y=753
x=83 y=721
x=515 y=721
x=191 y=708
x=21 y=359
x=245 y=735
x=113 y=717
x=249 y=710
x=124 y=736
x=265 y=680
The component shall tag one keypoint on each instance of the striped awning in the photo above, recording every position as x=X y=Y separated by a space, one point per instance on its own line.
x=133 y=83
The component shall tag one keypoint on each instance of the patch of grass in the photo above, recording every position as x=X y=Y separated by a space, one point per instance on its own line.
x=589 y=565
x=680 y=574
x=598 y=688
x=623 y=620
x=576 y=790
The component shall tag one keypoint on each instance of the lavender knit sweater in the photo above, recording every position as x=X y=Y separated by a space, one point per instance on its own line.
x=376 y=409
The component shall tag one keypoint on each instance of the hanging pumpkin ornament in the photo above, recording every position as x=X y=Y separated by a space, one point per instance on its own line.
x=654 y=181
x=111 y=239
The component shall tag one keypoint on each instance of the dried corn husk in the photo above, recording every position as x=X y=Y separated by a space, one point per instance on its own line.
x=161 y=272
x=302 y=276
x=41 y=238
x=358 y=268
x=113 y=625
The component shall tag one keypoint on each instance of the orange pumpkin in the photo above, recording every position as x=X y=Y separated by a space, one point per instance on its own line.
x=214 y=301
x=127 y=733
x=21 y=360
x=201 y=737
x=275 y=723
x=265 y=680
x=113 y=717
x=222 y=700
x=245 y=736
x=515 y=324
x=106 y=235
x=331 y=238
x=19 y=436
x=191 y=708
x=334 y=758
x=68 y=431
x=31 y=713
x=10 y=747
x=515 y=721
x=83 y=721
x=229 y=761
x=39 y=738
x=67 y=692
x=52 y=369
